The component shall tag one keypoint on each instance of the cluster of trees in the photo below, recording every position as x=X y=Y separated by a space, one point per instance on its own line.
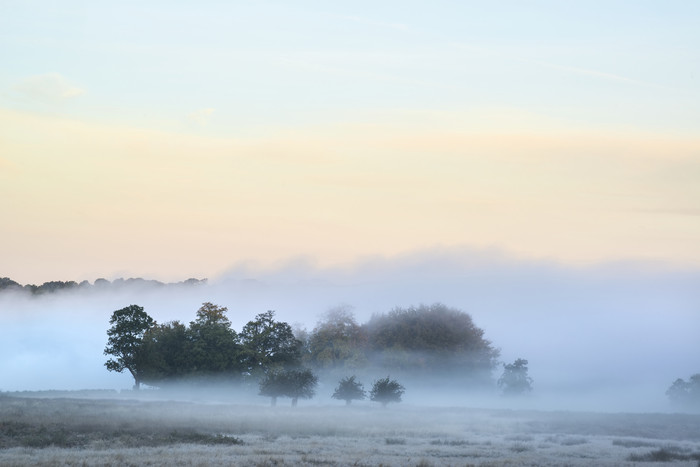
x=685 y=394
x=7 y=284
x=206 y=349
x=427 y=339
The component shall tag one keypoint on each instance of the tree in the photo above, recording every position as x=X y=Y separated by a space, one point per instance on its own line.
x=301 y=384
x=337 y=341
x=125 y=341
x=295 y=383
x=348 y=390
x=685 y=394
x=386 y=390
x=269 y=345
x=214 y=347
x=167 y=353
x=515 y=380
x=432 y=338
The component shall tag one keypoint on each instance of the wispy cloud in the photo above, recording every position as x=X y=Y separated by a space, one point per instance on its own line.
x=51 y=88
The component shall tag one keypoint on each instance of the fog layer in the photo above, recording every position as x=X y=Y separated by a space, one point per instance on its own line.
x=610 y=337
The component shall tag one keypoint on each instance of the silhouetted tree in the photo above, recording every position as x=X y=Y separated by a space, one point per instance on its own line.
x=125 y=341
x=214 y=349
x=515 y=380
x=7 y=283
x=348 y=390
x=268 y=344
x=295 y=383
x=301 y=384
x=386 y=390
x=167 y=357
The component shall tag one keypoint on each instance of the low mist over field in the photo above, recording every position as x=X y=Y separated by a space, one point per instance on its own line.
x=609 y=337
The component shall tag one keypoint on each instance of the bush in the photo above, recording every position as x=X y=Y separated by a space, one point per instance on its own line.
x=386 y=390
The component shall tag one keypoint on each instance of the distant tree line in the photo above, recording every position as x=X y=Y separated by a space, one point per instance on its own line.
x=7 y=284
x=428 y=339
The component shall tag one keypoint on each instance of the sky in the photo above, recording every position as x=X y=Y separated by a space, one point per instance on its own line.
x=179 y=139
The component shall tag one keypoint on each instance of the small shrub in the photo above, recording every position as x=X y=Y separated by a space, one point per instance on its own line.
x=395 y=441
x=665 y=454
x=573 y=441
x=518 y=447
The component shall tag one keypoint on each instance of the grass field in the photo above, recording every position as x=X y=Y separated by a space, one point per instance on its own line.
x=115 y=430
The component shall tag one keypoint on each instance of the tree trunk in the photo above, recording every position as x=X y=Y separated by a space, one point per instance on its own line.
x=347 y=401
x=273 y=401
x=294 y=401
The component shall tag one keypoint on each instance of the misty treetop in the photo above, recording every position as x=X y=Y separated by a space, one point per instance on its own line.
x=432 y=338
x=337 y=341
x=515 y=379
x=685 y=394
x=418 y=340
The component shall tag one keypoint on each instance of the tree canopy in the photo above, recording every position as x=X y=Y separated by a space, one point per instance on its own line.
x=685 y=394
x=432 y=338
x=337 y=341
x=515 y=380
x=125 y=341
x=348 y=390
x=386 y=390
x=294 y=383
x=269 y=344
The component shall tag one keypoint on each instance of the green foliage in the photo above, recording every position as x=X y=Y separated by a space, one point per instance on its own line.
x=515 y=380
x=295 y=383
x=166 y=347
x=386 y=390
x=685 y=394
x=268 y=344
x=125 y=341
x=348 y=390
x=213 y=345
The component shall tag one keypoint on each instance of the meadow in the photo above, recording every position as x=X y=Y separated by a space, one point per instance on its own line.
x=113 y=429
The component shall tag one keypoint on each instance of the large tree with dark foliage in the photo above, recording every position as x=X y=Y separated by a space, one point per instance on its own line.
x=432 y=338
x=166 y=348
x=125 y=341
x=294 y=383
x=386 y=390
x=268 y=345
x=213 y=345
x=348 y=390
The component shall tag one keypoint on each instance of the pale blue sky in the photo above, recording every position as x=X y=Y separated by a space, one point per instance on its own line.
x=609 y=64
x=264 y=130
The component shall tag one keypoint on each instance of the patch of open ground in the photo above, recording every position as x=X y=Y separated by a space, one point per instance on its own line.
x=129 y=431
